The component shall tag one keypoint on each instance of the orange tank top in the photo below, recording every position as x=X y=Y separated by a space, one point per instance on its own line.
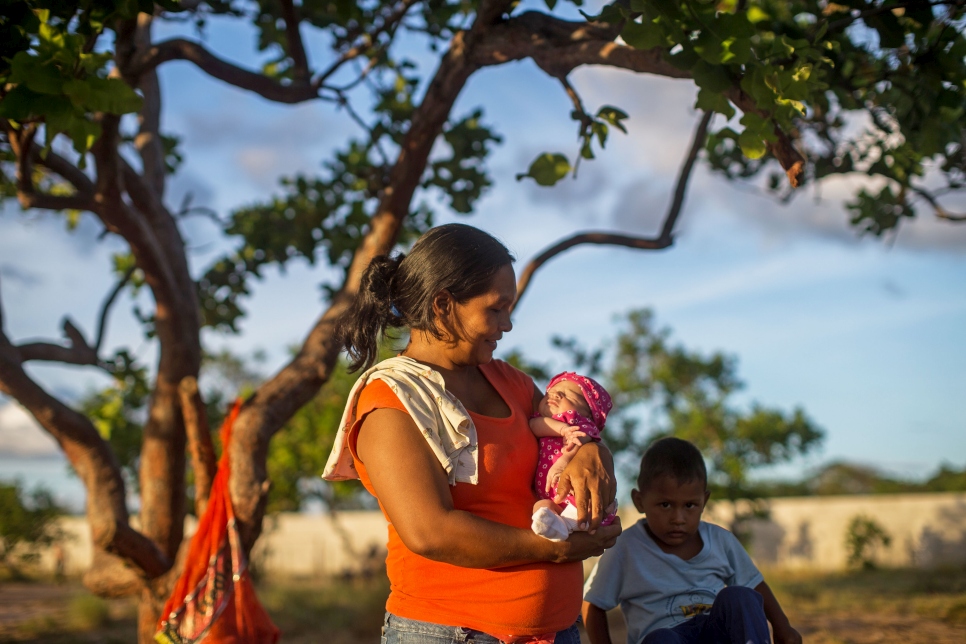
x=527 y=600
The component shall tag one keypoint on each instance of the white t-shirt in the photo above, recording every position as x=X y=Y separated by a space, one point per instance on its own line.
x=658 y=590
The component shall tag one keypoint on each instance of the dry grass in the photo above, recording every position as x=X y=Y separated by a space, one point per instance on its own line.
x=347 y=612
x=866 y=607
x=879 y=606
x=869 y=607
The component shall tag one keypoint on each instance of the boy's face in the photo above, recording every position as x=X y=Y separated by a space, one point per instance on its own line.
x=564 y=396
x=673 y=509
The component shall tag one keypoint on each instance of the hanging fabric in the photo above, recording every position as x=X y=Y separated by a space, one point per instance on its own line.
x=214 y=599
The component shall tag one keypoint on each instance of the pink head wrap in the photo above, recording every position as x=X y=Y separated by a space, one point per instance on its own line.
x=596 y=396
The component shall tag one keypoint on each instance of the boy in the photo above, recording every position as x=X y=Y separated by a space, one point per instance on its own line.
x=676 y=578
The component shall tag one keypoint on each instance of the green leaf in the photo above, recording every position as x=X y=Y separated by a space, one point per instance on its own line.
x=22 y=103
x=756 y=14
x=714 y=102
x=643 y=35
x=35 y=75
x=709 y=47
x=547 y=169
x=103 y=95
x=714 y=78
x=752 y=144
x=614 y=116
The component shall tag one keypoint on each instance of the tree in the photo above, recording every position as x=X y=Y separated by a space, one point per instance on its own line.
x=664 y=390
x=80 y=109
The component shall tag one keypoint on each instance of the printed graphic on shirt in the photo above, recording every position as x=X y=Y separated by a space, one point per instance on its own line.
x=684 y=606
x=695 y=609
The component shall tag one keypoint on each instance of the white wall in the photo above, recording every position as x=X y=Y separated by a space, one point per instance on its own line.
x=808 y=532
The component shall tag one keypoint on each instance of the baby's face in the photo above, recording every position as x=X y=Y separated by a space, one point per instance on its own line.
x=563 y=397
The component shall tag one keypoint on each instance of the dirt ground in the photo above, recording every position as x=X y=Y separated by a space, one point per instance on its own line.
x=874 y=607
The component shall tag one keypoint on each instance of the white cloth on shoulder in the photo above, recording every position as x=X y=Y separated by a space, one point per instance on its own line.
x=439 y=415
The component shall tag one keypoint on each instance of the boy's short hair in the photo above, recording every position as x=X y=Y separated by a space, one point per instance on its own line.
x=672 y=457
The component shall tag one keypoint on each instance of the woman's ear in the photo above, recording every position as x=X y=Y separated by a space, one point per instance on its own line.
x=442 y=304
x=444 y=311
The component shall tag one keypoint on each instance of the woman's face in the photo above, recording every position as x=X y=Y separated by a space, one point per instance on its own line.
x=480 y=322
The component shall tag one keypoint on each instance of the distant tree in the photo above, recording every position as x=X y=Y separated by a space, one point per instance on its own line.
x=947 y=479
x=27 y=524
x=843 y=477
x=865 y=88
x=660 y=389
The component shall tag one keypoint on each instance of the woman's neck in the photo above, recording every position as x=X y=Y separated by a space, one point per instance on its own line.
x=440 y=355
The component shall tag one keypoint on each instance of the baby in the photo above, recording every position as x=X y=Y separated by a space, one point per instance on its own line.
x=572 y=413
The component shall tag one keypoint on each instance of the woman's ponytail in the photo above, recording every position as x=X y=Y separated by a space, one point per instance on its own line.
x=361 y=327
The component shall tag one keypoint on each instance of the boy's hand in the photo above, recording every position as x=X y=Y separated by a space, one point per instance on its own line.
x=787 y=635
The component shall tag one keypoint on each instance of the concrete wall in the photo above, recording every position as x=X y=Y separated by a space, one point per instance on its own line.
x=926 y=530
x=808 y=532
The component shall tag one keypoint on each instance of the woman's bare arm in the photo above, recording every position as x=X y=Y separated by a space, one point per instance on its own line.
x=412 y=487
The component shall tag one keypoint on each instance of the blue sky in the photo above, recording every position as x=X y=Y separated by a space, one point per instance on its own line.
x=866 y=335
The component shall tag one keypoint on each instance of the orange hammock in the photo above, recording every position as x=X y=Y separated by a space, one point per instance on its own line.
x=214 y=598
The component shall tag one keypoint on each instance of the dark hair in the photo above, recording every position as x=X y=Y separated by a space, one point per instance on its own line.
x=672 y=457
x=399 y=291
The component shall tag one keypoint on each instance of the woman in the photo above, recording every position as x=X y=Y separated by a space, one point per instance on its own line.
x=462 y=560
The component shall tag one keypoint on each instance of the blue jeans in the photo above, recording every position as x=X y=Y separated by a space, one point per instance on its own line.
x=399 y=630
x=737 y=616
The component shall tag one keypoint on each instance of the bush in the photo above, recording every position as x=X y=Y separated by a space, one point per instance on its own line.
x=862 y=541
x=27 y=523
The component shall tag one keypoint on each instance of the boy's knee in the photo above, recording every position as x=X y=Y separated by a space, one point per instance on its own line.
x=739 y=595
x=661 y=636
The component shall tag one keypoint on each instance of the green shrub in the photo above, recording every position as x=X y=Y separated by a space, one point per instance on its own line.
x=863 y=538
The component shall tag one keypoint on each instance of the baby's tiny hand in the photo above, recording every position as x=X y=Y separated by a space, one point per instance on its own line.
x=573 y=435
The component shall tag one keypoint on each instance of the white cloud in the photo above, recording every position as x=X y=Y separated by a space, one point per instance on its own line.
x=20 y=435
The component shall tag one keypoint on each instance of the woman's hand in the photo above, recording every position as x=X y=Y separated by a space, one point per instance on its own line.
x=590 y=477
x=582 y=545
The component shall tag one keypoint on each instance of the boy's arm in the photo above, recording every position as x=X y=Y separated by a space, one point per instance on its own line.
x=595 y=622
x=781 y=628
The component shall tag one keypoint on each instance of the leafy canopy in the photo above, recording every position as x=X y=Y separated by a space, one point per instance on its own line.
x=682 y=393
x=864 y=87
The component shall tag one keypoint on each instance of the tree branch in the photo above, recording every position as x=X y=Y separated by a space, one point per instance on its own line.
x=940 y=210
x=106 y=307
x=25 y=150
x=368 y=39
x=663 y=240
x=77 y=352
x=783 y=149
x=862 y=15
x=92 y=460
x=275 y=401
x=300 y=64
x=180 y=49
x=148 y=140
x=65 y=169
x=559 y=46
x=199 y=441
